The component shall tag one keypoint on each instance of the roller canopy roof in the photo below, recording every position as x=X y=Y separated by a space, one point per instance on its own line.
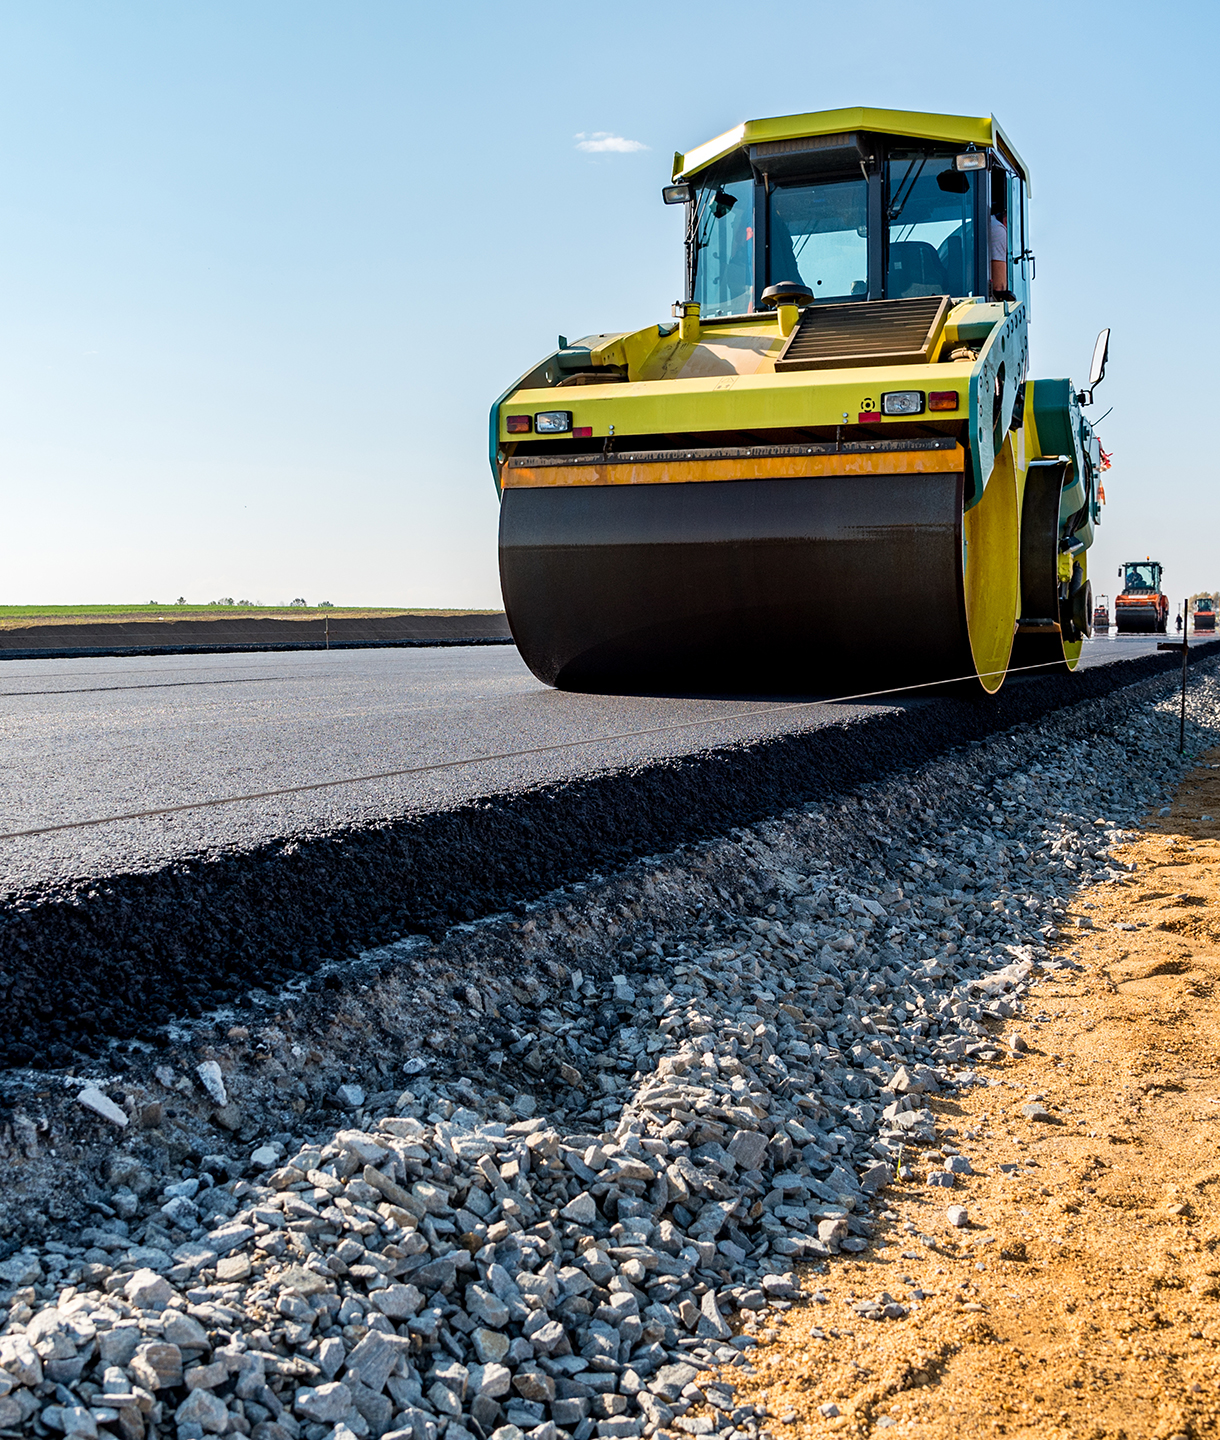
x=912 y=124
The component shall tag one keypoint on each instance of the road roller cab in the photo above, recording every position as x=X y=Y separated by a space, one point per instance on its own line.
x=1205 y=615
x=837 y=407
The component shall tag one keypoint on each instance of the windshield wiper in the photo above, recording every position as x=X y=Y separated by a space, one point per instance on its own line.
x=907 y=184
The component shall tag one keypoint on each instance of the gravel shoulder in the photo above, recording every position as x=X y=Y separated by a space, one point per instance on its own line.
x=1079 y=1298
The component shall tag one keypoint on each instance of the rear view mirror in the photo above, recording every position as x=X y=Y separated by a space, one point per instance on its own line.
x=953 y=181
x=1101 y=353
x=1097 y=369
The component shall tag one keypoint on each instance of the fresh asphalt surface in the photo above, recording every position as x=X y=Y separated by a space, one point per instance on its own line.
x=88 y=739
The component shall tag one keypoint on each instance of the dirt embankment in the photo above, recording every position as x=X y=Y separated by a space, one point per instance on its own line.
x=1080 y=1298
x=235 y=630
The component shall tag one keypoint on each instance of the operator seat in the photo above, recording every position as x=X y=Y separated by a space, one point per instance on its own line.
x=952 y=256
x=915 y=269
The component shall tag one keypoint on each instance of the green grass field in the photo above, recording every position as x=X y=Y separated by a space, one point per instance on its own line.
x=24 y=615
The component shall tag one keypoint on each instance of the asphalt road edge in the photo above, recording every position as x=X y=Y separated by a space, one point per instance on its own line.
x=119 y=956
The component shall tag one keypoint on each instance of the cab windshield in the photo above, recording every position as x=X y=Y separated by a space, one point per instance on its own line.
x=816 y=232
x=1143 y=577
x=819 y=237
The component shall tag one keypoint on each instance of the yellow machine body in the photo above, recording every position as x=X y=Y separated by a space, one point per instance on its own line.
x=719 y=500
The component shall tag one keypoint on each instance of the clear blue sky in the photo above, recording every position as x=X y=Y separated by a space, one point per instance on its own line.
x=263 y=266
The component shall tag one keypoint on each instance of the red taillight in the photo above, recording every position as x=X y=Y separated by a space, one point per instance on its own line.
x=942 y=400
x=582 y=432
x=869 y=417
x=519 y=424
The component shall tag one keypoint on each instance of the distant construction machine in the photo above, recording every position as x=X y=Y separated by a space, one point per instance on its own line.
x=1101 y=613
x=838 y=414
x=1142 y=607
x=1205 y=615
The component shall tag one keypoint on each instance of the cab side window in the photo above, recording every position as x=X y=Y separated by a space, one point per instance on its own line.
x=929 y=207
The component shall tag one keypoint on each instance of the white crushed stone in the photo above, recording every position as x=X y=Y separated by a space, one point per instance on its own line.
x=213 y=1081
x=101 y=1104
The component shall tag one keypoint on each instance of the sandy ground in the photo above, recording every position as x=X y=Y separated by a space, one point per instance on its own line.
x=1081 y=1298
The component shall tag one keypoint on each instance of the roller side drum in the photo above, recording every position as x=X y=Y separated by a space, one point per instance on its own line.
x=742 y=584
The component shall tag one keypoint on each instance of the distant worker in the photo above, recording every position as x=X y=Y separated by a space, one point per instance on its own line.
x=1179 y=620
x=998 y=236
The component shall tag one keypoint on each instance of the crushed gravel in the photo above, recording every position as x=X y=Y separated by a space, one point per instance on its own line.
x=546 y=1176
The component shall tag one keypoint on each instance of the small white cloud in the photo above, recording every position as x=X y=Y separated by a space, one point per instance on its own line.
x=601 y=142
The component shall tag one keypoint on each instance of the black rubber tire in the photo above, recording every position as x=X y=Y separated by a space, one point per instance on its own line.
x=1040 y=565
x=1082 y=609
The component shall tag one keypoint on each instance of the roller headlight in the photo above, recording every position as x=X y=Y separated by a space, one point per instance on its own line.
x=902 y=402
x=552 y=422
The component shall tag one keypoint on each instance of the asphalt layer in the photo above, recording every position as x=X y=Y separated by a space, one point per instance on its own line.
x=86 y=740
x=112 y=928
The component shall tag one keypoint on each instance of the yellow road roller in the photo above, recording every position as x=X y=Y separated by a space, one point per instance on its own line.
x=828 y=471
